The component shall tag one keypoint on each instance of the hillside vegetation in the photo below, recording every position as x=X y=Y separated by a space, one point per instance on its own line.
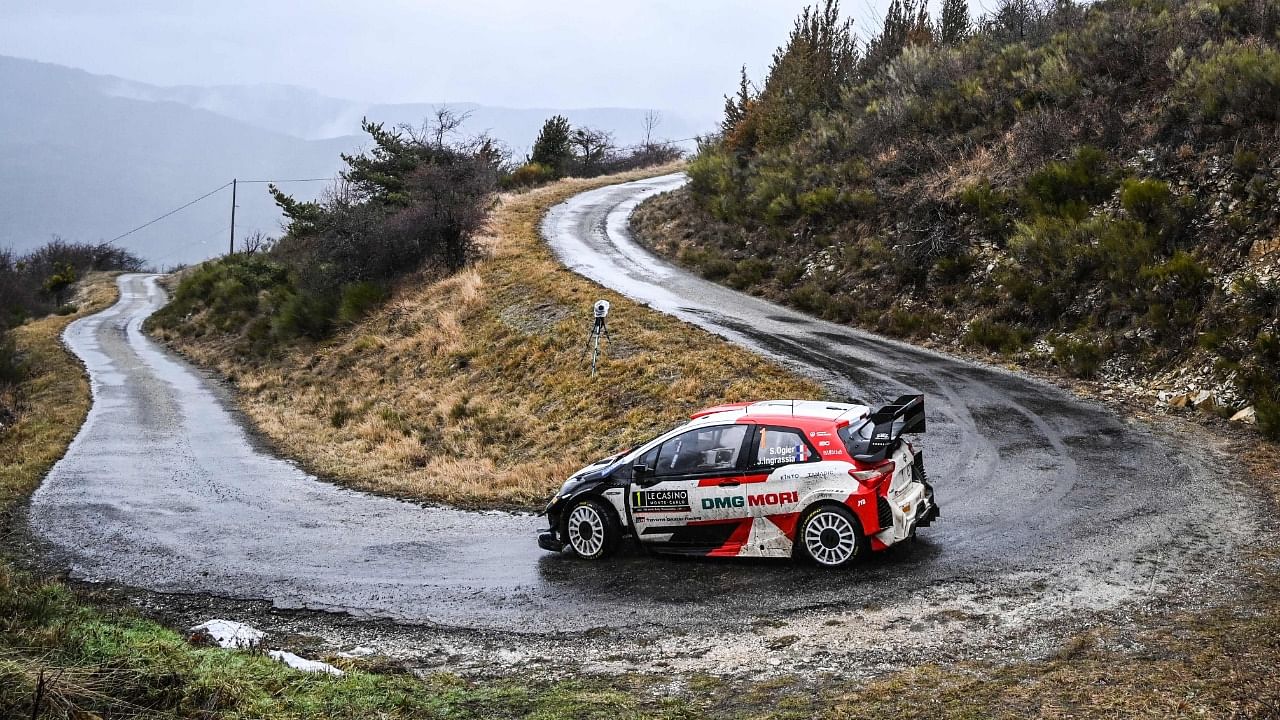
x=1089 y=187
x=464 y=386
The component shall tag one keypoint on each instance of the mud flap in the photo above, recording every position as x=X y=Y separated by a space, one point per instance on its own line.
x=918 y=473
x=548 y=541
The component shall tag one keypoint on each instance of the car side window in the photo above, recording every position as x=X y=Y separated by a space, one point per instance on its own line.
x=781 y=446
x=708 y=449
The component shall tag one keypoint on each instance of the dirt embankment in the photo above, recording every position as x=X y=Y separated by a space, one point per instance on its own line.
x=473 y=389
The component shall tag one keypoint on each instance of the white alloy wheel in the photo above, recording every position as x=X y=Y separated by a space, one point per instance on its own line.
x=830 y=538
x=587 y=531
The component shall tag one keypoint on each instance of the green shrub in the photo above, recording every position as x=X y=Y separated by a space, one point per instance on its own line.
x=1121 y=249
x=715 y=182
x=12 y=368
x=991 y=207
x=717 y=268
x=68 y=309
x=1081 y=358
x=952 y=269
x=900 y=322
x=1245 y=162
x=1267 y=408
x=860 y=202
x=358 y=299
x=1261 y=382
x=529 y=174
x=1233 y=78
x=811 y=298
x=305 y=315
x=750 y=272
x=1147 y=200
x=1174 y=291
x=820 y=203
x=229 y=289
x=1053 y=257
x=997 y=337
x=1257 y=297
x=1069 y=189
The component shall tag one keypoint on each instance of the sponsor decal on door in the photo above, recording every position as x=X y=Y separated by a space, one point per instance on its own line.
x=660 y=501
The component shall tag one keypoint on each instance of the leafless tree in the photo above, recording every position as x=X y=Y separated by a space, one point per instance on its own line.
x=652 y=119
x=443 y=123
x=258 y=241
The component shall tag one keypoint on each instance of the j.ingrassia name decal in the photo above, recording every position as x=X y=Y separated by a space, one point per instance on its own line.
x=660 y=501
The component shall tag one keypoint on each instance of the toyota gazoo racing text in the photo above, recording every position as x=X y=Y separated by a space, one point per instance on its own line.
x=829 y=482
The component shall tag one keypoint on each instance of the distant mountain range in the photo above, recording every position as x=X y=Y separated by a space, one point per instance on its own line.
x=89 y=157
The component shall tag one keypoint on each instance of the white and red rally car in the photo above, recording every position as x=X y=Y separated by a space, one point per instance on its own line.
x=780 y=478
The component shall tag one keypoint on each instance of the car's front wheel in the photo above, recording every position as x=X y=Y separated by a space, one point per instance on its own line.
x=831 y=537
x=590 y=530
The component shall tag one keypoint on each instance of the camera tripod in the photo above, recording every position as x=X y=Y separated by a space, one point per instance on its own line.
x=598 y=330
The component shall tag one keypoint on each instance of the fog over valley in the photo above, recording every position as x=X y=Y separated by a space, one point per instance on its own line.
x=89 y=157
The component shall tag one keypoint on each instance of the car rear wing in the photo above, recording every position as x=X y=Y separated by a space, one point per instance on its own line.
x=900 y=417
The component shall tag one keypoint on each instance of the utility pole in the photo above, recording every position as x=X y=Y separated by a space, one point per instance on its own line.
x=233 y=217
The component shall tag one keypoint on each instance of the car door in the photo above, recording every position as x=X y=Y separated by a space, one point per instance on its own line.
x=690 y=498
x=775 y=475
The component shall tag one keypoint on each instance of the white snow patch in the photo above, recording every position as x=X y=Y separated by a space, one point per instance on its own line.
x=357 y=652
x=231 y=634
x=303 y=664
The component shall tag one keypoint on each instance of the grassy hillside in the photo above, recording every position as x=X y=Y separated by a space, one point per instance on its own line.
x=472 y=389
x=1092 y=188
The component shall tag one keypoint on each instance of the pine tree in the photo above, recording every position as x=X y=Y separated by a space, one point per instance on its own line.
x=554 y=148
x=807 y=74
x=736 y=106
x=906 y=22
x=953 y=25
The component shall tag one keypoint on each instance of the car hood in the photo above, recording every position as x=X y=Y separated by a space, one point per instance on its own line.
x=597 y=469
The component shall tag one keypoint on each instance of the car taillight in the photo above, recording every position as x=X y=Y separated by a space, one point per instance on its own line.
x=875 y=474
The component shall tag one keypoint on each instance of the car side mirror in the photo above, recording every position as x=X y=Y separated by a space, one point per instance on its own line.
x=643 y=475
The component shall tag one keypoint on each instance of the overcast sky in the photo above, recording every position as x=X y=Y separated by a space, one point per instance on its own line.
x=681 y=55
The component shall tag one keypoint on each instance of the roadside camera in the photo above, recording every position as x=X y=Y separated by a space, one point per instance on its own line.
x=601 y=309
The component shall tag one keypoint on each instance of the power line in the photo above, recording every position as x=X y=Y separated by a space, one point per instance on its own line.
x=171 y=212
x=224 y=186
x=281 y=182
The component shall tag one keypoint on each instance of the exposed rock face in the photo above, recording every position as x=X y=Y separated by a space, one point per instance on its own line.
x=1262 y=248
x=1248 y=415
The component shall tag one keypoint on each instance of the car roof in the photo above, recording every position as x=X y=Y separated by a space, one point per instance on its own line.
x=780 y=411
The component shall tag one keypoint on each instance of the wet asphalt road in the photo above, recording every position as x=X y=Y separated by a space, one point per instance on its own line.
x=164 y=489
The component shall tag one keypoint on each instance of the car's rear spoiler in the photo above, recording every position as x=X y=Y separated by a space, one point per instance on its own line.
x=902 y=416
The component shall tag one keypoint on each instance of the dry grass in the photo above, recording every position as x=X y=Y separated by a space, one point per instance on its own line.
x=53 y=401
x=471 y=390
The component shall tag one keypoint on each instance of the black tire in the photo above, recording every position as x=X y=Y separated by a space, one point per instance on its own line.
x=590 y=529
x=830 y=536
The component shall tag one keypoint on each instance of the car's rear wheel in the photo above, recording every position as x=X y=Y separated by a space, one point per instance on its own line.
x=830 y=536
x=590 y=530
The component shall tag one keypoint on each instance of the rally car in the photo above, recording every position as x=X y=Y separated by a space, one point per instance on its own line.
x=828 y=482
